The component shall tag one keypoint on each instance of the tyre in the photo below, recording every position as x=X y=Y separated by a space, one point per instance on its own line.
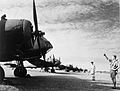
x=2 y=74
x=20 y=72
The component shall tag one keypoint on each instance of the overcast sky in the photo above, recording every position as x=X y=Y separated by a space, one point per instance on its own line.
x=81 y=31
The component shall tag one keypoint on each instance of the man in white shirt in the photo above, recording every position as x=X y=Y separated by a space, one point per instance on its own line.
x=114 y=66
x=92 y=71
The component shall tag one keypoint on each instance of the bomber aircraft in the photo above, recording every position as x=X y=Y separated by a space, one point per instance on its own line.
x=19 y=42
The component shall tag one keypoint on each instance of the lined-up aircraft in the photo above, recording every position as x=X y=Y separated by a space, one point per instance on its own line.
x=19 y=42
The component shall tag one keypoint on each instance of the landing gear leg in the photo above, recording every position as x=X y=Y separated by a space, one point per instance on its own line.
x=2 y=74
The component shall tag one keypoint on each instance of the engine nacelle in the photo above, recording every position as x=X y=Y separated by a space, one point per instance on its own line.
x=14 y=34
x=17 y=34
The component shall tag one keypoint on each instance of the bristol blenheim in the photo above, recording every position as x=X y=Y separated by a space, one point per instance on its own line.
x=19 y=42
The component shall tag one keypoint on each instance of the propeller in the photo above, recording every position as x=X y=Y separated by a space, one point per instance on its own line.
x=37 y=33
x=35 y=16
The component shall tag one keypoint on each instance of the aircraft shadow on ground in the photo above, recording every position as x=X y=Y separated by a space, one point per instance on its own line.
x=56 y=83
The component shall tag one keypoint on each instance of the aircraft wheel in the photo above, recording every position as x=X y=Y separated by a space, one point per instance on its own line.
x=20 y=72
x=2 y=74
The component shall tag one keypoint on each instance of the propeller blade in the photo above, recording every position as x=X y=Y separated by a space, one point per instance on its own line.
x=36 y=24
x=35 y=16
x=38 y=42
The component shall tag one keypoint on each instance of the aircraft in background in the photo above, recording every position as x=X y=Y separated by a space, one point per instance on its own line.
x=18 y=42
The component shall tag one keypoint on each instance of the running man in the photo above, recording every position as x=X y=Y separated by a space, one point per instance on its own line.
x=92 y=71
x=114 y=66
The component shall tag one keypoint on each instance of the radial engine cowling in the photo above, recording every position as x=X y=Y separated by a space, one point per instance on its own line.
x=14 y=34
x=17 y=34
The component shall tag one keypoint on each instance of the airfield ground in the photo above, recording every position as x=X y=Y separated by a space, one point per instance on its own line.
x=60 y=81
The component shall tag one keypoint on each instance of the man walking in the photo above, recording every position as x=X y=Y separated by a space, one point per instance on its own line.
x=114 y=66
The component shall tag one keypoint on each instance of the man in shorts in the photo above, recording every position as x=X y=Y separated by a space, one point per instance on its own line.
x=114 y=66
